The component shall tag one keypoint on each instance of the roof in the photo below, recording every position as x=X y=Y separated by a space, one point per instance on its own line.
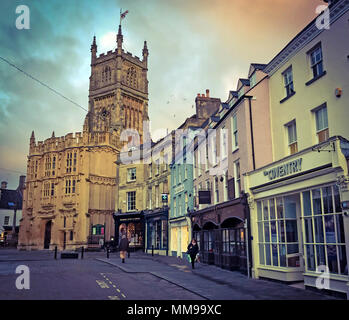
x=10 y=199
x=256 y=66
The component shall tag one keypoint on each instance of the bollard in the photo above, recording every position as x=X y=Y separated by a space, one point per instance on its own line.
x=152 y=251
x=82 y=252
x=55 y=252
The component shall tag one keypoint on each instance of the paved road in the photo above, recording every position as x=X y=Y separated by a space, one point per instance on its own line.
x=142 y=277
x=80 y=279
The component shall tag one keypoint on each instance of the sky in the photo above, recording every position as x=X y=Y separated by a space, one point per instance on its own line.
x=193 y=45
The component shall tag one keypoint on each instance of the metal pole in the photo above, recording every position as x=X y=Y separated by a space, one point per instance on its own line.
x=107 y=252
x=82 y=252
x=55 y=252
x=152 y=250
x=247 y=249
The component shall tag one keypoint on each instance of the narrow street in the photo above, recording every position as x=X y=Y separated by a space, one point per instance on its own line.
x=142 y=277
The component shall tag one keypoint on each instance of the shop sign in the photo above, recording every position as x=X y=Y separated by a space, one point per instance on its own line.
x=284 y=170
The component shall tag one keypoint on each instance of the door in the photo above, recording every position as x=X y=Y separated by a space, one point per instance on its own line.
x=47 y=239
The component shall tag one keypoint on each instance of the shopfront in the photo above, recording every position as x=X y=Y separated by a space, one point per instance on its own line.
x=156 y=222
x=131 y=224
x=180 y=236
x=299 y=227
x=220 y=233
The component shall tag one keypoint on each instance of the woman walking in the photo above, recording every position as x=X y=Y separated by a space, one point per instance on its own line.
x=193 y=250
x=123 y=248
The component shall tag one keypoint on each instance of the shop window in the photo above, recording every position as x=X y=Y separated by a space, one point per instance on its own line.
x=98 y=229
x=278 y=232
x=323 y=225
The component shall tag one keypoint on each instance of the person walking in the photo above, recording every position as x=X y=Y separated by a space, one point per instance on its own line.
x=193 y=250
x=123 y=246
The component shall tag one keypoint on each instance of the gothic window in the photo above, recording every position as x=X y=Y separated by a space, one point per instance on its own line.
x=106 y=74
x=131 y=77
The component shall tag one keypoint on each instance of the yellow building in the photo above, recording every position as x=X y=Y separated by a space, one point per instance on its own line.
x=299 y=220
x=71 y=181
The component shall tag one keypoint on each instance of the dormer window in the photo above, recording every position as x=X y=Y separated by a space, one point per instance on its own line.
x=241 y=92
x=253 y=80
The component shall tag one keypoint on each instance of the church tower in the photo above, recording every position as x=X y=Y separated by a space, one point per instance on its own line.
x=118 y=92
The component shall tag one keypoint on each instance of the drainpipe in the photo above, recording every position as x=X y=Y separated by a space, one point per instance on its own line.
x=251 y=129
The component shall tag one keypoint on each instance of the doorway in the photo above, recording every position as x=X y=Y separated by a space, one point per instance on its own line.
x=47 y=239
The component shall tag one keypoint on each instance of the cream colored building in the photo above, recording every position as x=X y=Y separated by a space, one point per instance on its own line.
x=299 y=221
x=71 y=181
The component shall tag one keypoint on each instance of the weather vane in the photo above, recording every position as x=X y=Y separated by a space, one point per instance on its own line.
x=123 y=15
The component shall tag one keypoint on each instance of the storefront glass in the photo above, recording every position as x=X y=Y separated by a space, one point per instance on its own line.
x=324 y=240
x=278 y=231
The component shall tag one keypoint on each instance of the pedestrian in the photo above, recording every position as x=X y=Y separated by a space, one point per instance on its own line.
x=193 y=250
x=123 y=246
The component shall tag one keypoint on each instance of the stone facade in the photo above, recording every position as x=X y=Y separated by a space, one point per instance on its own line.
x=69 y=199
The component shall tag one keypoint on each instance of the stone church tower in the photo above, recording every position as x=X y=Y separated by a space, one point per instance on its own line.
x=71 y=186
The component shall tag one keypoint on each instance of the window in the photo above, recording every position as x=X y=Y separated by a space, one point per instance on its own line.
x=157 y=166
x=234 y=132
x=98 y=229
x=241 y=92
x=316 y=62
x=323 y=236
x=46 y=191
x=214 y=149
x=321 y=124
x=157 y=197
x=52 y=189
x=131 y=174
x=226 y=186
x=131 y=201
x=6 y=220
x=292 y=137
x=150 y=170
x=237 y=179
x=174 y=207
x=69 y=162
x=70 y=186
x=288 y=81
x=47 y=166
x=216 y=200
x=223 y=143
x=253 y=80
x=150 y=198
x=164 y=230
x=278 y=231
x=186 y=201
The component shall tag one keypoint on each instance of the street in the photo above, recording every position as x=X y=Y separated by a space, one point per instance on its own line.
x=142 y=277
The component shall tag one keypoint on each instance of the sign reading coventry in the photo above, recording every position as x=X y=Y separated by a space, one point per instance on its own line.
x=284 y=170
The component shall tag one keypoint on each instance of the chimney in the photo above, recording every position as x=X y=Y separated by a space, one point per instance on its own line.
x=3 y=185
x=207 y=93
x=203 y=95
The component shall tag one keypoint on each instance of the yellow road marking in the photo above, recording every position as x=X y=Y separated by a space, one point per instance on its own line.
x=117 y=290
x=123 y=295
x=102 y=284
x=114 y=285
x=113 y=297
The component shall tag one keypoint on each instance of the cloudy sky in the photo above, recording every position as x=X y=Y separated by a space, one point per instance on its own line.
x=193 y=44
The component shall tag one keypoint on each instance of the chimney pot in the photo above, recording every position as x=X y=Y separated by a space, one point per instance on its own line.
x=198 y=94
x=207 y=93
x=3 y=185
x=203 y=95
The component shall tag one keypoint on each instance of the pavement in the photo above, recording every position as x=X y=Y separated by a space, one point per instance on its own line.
x=141 y=277
x=211 y=282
